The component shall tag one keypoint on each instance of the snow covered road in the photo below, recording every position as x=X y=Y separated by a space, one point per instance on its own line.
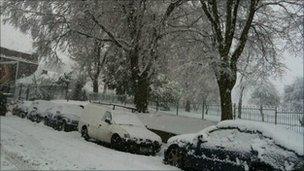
x=26 y=145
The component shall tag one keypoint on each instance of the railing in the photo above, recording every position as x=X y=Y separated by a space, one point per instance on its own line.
x=290 y=119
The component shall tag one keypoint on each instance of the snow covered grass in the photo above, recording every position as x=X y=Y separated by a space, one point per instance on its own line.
x=28 y=145
x=287 y=119
x=173 y=124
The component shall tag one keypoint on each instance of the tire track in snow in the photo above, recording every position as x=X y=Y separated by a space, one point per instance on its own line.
x=16 y=160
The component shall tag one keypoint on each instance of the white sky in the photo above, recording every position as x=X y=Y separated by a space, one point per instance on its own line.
x=11 y=38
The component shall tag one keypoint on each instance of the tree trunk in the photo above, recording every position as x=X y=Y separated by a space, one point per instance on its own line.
x=95 y=85
x=140 y=82
x=67 y=92
x=188 y=106
x=261 y=112
x=226 y=103
x=226 y=83
x=142 y=94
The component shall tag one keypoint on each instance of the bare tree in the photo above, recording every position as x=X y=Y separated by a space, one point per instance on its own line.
x=234 y=25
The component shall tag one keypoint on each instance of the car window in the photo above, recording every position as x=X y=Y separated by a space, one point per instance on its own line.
x=233 y=139
x=108 y=116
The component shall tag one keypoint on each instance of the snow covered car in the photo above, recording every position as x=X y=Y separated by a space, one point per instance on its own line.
x=21 y=108
x=122 y=129
x=63 y=117
x=237 y=145
x=38 y=110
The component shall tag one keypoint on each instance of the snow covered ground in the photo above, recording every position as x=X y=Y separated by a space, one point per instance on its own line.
x=30 y=146
x=174 y=124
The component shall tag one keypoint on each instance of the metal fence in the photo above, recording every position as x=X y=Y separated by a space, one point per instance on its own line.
x=290 y=119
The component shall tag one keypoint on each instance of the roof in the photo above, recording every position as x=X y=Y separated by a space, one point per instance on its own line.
x=18 y=56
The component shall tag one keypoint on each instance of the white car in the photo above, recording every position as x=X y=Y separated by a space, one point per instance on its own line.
x=122 y=129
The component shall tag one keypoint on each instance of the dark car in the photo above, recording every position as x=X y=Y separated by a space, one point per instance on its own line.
x=66 y=122
x=34 y=116
x=20 y=108
x=19 y=112
x=237 y=145
x=62 y=122
x=38 y=110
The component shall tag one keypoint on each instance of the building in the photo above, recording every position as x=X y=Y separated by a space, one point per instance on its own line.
x=15 y=65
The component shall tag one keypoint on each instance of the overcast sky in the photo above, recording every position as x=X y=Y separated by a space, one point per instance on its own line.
x=13 y=39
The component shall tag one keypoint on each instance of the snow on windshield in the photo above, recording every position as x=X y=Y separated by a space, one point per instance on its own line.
x=70 y=109
x=128 y=118
x=281 y=136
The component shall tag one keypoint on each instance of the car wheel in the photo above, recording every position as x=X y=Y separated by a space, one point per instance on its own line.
x=63 y=126
x=116 y=142
x=84 y=133
x=45 y=121
x=260 y=167
x=175 y=156
x=38 y=119
x=22 y=115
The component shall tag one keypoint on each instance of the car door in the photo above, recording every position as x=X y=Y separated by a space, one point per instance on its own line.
x=104 y=127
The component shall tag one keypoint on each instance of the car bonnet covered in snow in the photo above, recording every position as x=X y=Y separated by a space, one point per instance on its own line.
x=132 y=124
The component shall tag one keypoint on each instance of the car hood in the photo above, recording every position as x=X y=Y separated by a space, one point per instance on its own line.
x=141 y=133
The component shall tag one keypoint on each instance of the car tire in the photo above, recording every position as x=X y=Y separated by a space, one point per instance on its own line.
x=63 y=125
x=45 y=121
x=84 y=133
x=175 y=156
x=116 y=142
x=260 y=167
x=23 y=114
x=38 y=119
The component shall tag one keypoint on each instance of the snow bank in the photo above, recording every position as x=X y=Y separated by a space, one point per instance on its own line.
x=32 y=146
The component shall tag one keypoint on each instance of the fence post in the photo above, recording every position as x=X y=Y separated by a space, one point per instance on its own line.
x=20 y=91
x=234 y=110
x=261 y=112
x=177 y=106
x=275 y=115
x=203 y=110
x=27 y=92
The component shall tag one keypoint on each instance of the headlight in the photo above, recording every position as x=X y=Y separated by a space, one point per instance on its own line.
x=126 y=135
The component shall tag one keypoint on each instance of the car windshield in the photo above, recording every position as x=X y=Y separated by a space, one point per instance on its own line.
x=70 y=109
x=127 y=118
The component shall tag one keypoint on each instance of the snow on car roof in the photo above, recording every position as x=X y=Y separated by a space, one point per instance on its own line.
x=42 y=105
x=282 y=136
x=70 y=109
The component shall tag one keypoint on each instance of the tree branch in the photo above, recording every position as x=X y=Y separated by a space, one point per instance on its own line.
x=244 y=34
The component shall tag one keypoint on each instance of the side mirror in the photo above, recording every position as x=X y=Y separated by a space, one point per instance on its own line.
x=108 y=121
